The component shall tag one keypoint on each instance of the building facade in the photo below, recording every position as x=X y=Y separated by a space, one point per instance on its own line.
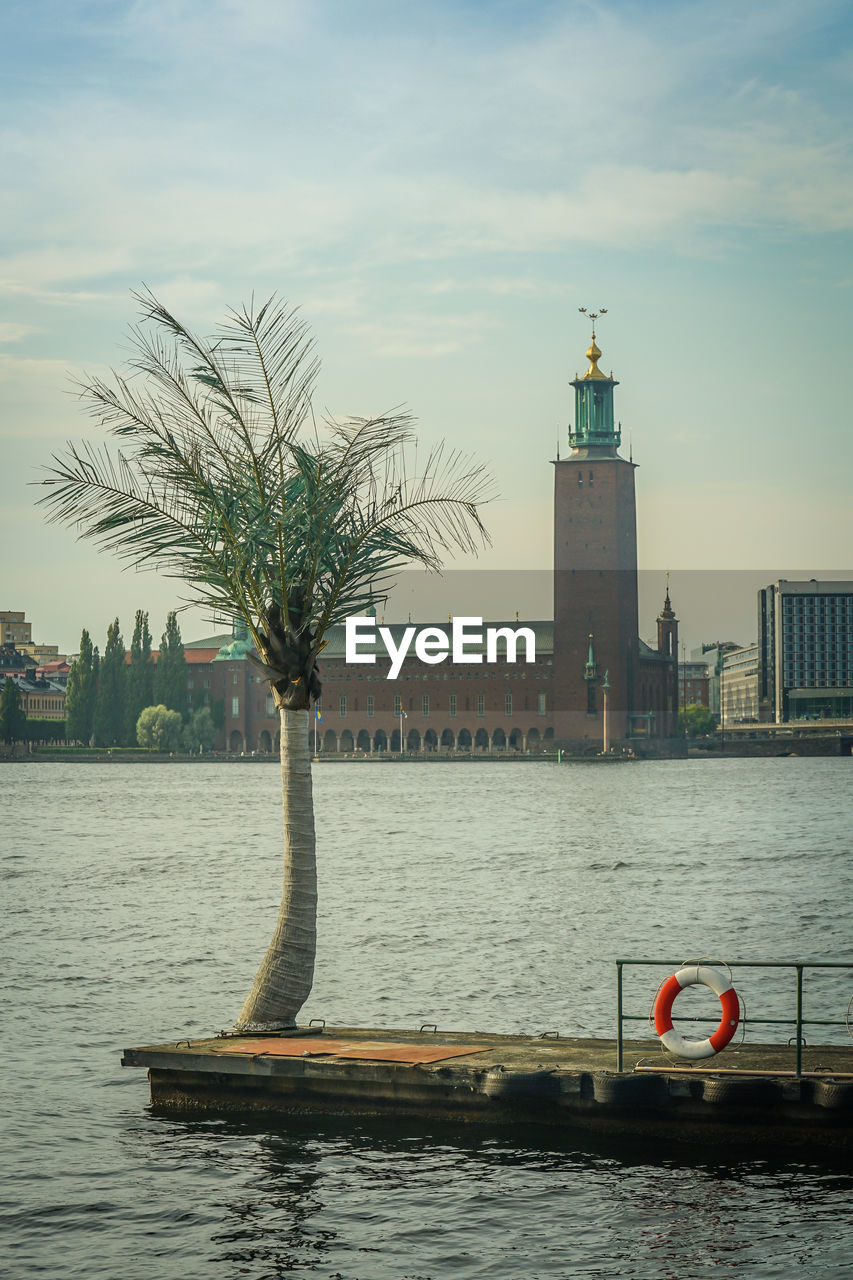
x=805 y=641
x=739 y=700
x=693 y=683
x=473 y=707
x=712 y=655
x=44 y=653
x=14 y=628
x=42 y=693
x=41 y=699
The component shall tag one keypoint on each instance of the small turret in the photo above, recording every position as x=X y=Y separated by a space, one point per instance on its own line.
x=667 y=628
x=590 y=671
x=590 y=675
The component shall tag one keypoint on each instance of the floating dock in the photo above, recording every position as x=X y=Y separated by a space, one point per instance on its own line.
x=750 y=1093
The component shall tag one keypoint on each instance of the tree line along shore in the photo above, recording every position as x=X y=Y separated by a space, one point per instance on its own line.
x=121 y=699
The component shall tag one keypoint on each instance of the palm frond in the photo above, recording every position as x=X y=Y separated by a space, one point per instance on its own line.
x=270 y=356
x=220 y=481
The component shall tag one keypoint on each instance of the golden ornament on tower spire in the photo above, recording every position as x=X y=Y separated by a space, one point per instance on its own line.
x=593 y=353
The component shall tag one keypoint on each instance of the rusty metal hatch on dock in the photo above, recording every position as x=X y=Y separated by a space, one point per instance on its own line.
x=370 y=1051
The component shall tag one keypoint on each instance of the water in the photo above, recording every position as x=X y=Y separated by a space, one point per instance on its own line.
x=138 y=900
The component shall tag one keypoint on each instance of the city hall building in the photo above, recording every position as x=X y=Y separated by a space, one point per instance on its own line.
x=590 y=663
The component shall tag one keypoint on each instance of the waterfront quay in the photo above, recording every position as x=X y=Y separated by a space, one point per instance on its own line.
x=748 y=741
x=548 y=1080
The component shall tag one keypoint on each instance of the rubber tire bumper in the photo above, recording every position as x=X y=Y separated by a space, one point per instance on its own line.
x=632 y=1090
x=836 y=1095
x=734 y=1092
x=500 y=1083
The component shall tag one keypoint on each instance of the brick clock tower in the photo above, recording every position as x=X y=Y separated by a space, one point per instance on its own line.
x=595 y=570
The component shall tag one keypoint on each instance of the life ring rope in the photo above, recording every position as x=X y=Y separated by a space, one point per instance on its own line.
x=688 y=976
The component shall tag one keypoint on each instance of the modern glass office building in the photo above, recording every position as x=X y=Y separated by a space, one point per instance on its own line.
x=805 y=651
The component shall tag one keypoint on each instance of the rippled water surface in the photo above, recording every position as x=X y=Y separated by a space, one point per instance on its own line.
x=138 y=900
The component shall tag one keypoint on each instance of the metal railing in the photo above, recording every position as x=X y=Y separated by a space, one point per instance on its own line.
x=798 y=1021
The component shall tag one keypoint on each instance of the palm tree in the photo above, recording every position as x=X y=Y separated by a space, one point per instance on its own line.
x=224 y=480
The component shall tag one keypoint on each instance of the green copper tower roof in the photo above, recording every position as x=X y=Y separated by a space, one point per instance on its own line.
x=594 y=424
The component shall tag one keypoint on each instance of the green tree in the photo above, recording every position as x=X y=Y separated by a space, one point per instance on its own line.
x=159 y=728
x=170 y=673
x=13 y=720
x=108 y=726
x=286 y=527
x=200 y=731
x=699 y=720
x=140 y=676
x=81 y=692
x=46 y=730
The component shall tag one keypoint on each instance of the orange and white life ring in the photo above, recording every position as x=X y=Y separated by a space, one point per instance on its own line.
x=689 y=976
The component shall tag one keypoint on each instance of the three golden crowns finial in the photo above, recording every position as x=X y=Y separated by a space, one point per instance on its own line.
x=593 y=315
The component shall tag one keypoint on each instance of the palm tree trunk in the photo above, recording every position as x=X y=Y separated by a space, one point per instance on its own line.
x=283 y=982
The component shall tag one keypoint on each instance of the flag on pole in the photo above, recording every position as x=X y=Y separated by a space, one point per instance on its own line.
x=317 y=714
x=403 y=714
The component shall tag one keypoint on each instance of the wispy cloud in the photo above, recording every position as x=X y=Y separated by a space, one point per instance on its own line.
x=261 y=133
x=11 y=331
x=21 y=289
x=423 y=336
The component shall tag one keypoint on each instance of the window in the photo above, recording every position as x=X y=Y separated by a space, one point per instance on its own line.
x=370 y=706
x=234 y=678
x=270 y=705
x=508 y=704
x=425 y=704
x=453 y=704
x=481 y=704
x=235 y=708
x=398 y=704
x=342 y=706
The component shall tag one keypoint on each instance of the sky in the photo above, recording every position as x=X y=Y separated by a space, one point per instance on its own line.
x=438 y=188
